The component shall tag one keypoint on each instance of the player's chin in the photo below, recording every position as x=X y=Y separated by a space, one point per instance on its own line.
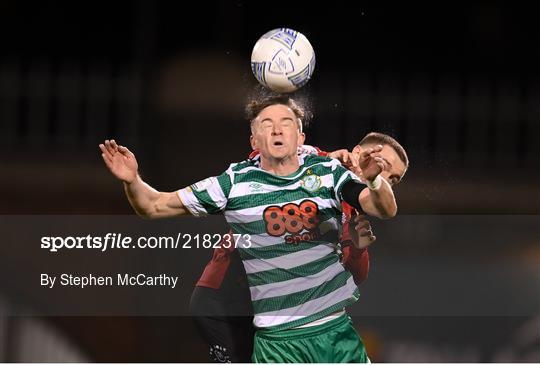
x=279 y=152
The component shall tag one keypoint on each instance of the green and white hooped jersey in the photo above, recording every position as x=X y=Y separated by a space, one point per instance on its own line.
x=293 y=223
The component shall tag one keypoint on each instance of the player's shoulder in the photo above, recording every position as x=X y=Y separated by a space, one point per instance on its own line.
x=316 y=159
x=239 y=166
x=311 y=160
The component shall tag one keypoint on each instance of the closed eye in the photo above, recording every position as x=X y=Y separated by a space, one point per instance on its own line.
x=287 y=122
x=266 y=123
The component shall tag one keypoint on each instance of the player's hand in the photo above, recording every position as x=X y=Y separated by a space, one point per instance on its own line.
x=371 y=163
x=120 y=161
x=348 y=159
x=361 y=233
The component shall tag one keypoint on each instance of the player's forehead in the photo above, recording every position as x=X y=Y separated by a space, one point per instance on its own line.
x=276 y=112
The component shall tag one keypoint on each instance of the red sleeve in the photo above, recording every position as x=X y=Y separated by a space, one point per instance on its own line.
x=348 y=213
x=215 y=270
x=355 y=260
x=253 y=154
x=320 y=152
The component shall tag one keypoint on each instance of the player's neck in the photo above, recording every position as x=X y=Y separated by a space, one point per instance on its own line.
x=280 y=167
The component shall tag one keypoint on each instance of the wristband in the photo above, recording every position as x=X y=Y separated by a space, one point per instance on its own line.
x=375 y=184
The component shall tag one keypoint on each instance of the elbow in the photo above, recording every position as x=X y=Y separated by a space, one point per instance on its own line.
x=144 y=215
x=147 y=214
x=387 y=211
x=153 y=209
x=388 y=215
x=154 y=212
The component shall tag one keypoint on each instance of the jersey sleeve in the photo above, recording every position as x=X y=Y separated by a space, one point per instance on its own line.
x=341 y=176
x=208 y=196
x=321 y=152
x=347 y=215
x=312 y=150
x=356 y=261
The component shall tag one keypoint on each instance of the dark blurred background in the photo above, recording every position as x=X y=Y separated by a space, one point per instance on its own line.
x=457 y=84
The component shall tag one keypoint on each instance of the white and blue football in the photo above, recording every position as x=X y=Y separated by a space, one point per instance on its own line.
x=283 y=60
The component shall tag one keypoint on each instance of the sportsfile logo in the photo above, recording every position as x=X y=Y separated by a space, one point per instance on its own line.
x=293 y=219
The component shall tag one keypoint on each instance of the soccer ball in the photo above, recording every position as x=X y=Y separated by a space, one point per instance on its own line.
x=283 y=60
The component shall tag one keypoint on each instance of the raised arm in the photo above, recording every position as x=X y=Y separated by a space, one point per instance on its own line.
x=378 y=199
x=145 y=200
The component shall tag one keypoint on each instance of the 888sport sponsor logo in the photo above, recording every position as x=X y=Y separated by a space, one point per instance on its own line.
x=298 y=221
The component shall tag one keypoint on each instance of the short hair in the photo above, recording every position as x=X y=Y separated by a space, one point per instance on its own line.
x=262 y=98
x=385 y=139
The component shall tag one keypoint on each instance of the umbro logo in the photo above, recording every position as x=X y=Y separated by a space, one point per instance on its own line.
x=255 y=187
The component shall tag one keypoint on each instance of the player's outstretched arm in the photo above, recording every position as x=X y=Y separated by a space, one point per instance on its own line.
x=145 y=200
x=378 y=200
x=152 y=204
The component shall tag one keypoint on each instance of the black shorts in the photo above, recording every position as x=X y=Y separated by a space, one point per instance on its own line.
x=224 y=316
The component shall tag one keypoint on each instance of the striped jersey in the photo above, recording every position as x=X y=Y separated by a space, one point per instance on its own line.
x=290 y=228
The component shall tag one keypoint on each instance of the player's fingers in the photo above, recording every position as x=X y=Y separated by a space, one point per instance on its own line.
x=377 y=148
x=114 y=145
x=376 y=157
x=105 y=151
x=381 y=162
x=382 y=165
x=109 y=147
x=125 y=151
x=107 y=160
x=366 y=234
x=364 y=229
x=337 y=154
x=109 y=157
x=365 y=153
x=363 y=225
x=353 y=158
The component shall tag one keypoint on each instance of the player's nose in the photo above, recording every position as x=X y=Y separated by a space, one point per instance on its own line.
x=276 y=129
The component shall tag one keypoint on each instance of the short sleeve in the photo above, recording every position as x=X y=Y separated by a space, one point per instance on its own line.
x=341 y=176
x=208 y=196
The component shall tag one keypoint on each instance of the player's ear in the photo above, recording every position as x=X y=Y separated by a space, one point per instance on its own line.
x=301 y=139
x=253 y=142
